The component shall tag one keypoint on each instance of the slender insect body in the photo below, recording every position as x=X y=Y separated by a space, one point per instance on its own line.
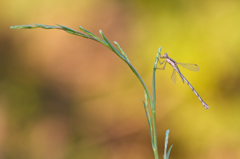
x=173 y=63
x=195 y=92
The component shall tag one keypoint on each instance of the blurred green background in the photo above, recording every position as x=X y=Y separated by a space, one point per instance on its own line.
x=66 y=97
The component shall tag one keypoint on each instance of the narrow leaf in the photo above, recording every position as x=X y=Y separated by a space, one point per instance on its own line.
x=169 y=150
x=146 y=107
x=110 y=46
x=92 y=35
x=23 y=27
x=47 y=26
x=121 y=50
x=166 y=143
x=71 y=31
x=147 y=115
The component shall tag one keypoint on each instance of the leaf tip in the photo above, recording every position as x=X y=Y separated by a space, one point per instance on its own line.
x=58 y=25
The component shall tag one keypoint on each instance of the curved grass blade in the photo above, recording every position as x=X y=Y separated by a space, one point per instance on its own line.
x=23 y=27
x=92 y=35
x=74 y=32
x=121 y=50
x=47 y=26
x=33 y=26
x=110 y=46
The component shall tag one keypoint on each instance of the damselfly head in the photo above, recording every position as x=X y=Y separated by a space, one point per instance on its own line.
x=165 y=55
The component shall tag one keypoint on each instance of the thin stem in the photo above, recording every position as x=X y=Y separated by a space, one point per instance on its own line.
x=142 y=82
x=123 y=56
x=146 y=107
x=155 y=150
x=153 y=78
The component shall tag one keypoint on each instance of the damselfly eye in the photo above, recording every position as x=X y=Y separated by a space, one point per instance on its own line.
x=165 y=55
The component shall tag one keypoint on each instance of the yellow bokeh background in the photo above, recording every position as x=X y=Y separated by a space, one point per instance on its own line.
x=66 y=97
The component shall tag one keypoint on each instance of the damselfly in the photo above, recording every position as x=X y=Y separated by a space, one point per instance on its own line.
x=192 y=67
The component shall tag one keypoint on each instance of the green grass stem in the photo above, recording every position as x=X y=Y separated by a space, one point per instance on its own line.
x=149 y=102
